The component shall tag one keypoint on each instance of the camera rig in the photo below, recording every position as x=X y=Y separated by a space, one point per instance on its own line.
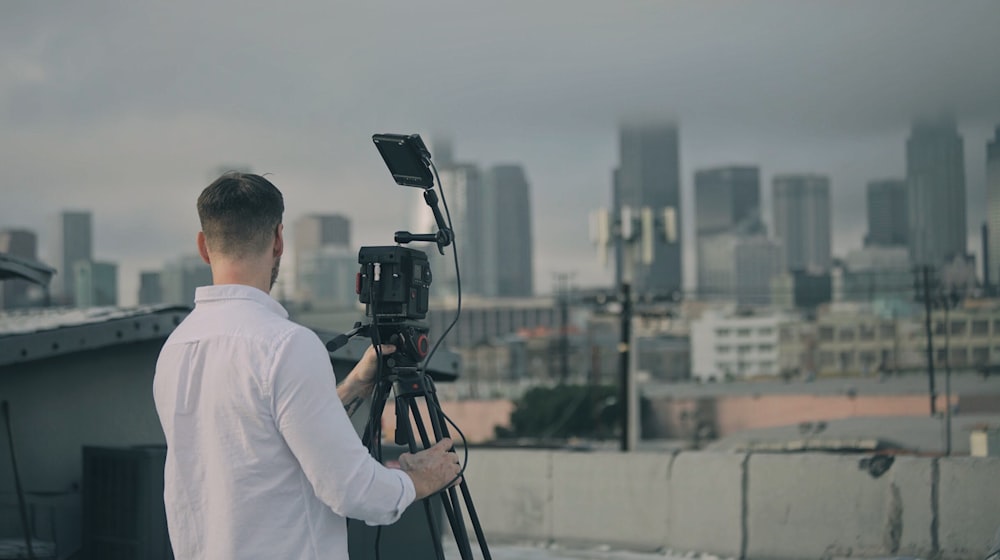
x=393 y=283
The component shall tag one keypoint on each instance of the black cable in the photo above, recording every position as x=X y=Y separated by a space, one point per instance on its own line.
x=458 y=276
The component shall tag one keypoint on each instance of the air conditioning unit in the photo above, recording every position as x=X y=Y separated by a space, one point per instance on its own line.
x=122 y=494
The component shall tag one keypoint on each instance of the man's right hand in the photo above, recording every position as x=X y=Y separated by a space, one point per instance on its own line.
x=432 y=469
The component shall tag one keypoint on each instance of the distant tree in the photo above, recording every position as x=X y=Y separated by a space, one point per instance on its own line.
x=564 y=411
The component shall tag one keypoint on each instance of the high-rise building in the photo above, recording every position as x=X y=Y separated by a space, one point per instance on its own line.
x=150 y=288
x=21 y=243
x=463 y=187
x=314 y=233
x=993 y=206
x=888 y=214
x=876 y=273
x=507 y=253
x=328 y=276
x=725 y=199
x=802 y=220
x=757 y=262
x=935 y=173
x=96 y=283
x=180 y=278
x=649 y=176
x=73 y=242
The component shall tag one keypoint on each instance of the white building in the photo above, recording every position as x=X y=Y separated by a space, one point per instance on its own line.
x=724 y=345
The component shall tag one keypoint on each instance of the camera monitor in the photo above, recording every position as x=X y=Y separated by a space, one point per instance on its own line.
x=406 y=158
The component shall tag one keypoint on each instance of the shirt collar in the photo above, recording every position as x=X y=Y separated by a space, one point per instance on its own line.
x=205 y=294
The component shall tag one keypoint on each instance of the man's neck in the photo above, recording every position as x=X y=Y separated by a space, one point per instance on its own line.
x=247 y=274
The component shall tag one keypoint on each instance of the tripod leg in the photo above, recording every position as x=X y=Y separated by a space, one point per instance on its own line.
x=442 y=424
x=402 y=406
x=449 y=499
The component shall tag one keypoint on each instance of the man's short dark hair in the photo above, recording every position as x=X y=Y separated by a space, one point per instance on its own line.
x=240 y=213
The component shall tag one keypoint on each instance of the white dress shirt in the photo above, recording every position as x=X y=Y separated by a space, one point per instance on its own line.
x=262 y=460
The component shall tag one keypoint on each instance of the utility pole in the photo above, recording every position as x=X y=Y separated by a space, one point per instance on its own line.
x=924 y=291
x=632 y=232
x=562 y=292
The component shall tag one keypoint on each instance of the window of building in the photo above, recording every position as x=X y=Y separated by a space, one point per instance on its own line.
x=958 y=327
x=958 y=356
x=980 y=327
x=765 y=348
x=743 y=332
x=826 y=334
x=786 y=334
x=744 y=348
x=765 y=331
x=846 y=334
x=846 y=360
x=887 y=331
x=721 y=332
x=981 y=355
x=826 y=359
x=996 y=327
x=866 y=332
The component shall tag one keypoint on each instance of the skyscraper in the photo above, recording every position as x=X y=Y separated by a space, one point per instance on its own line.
x=180 y=278
x=935 y=173
x=23 y=244
x=888 y=214
x=96 y=284
x=649 y=176
x=993 y=205
x=463 y=187
x=725 y=199
x=507 y=235
x=757 y=263
x=150 y=287
x=313 y=233
x=802 y=220
x=73 y=243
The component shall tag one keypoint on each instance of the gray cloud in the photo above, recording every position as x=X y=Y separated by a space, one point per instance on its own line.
x=127 y=109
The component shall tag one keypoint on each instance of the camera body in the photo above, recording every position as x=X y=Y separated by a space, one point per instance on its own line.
x=394 y=283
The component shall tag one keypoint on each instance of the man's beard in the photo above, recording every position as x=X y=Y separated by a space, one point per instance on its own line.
x=274 y=271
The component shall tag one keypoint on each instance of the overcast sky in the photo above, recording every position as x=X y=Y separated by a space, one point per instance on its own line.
x=128 y=109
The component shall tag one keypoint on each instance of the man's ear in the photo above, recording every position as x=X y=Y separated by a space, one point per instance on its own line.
x=203 y=248
x=279 y=240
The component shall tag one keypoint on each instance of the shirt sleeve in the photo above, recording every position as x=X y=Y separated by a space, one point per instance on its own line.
x=309 y=415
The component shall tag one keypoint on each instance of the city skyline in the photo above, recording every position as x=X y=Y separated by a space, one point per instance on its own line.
x=130 y=133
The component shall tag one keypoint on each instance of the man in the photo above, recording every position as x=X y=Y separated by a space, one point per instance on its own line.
x=262 y=460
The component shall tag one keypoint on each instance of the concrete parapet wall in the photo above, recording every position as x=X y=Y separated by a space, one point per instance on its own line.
x=816 y=506
x=968 y=505
x=593 y=493
x=768 y=506
x=706 y=509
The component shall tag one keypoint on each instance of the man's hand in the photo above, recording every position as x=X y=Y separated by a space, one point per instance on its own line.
x=433 y=468
x=364 y=372
x=358 y=384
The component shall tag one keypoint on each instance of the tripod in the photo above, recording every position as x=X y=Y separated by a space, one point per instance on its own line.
x=408 y=382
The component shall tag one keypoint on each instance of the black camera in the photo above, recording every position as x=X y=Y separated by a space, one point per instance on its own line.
x=394 y=281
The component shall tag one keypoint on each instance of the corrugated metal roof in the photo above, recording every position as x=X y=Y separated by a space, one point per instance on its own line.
x=33 y=334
